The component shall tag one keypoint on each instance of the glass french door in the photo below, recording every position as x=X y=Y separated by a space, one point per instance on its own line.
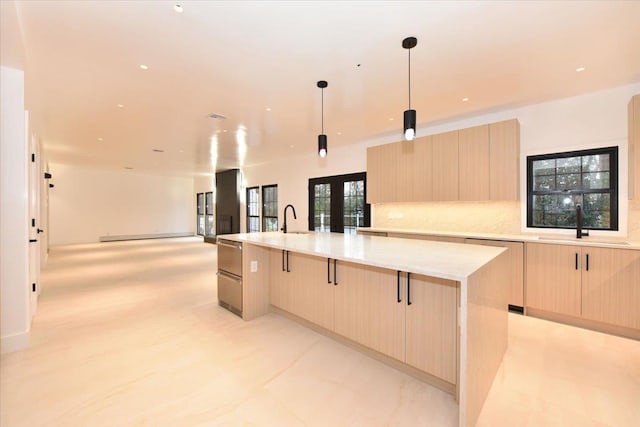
x=338 y=203
x=208 y=225
x=200 y=213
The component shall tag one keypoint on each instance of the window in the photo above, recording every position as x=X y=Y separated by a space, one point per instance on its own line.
x=337 y=203
x=556 y=183
x=270 y=208
x=208 y=226
x=200 y=213
x=253 y=215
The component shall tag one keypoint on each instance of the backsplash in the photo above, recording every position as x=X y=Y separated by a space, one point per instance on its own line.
x=485 y=217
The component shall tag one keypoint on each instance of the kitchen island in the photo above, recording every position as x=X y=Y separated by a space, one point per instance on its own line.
x=435 y=310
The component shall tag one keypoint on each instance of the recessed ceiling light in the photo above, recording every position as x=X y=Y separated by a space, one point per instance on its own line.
x=580 y=69
x=178 y=8
x=390 y=119
x=120 y=106
x=144 y=67
x=291 y=146
x=465 y=99
x=339 y=133
x=267 y=109
x=100 y=139
x=224 y=130
x=182 y=151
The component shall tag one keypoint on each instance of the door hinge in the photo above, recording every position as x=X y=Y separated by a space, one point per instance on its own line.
x=33 y=287
x=33 y=158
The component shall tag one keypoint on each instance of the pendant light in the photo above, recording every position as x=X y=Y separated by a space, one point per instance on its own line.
x=322 y=138
x=409 y=115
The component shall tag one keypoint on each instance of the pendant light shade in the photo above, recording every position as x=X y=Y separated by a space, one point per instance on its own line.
x=322 y=146
x=322 y=138
x=409 y=115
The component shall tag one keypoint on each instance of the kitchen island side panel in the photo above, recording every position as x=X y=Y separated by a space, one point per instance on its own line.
x=484 y=334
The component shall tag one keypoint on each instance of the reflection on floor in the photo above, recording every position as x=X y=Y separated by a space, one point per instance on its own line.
x=130 y=333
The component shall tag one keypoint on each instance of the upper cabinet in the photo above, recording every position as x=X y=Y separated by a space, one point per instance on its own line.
x=444 y=166
x=634 y=148
x=504 y=160
x=473 y=163
x=476 y=164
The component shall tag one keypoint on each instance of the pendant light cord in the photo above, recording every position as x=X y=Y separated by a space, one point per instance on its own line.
x=322 y=109
x=409 y=78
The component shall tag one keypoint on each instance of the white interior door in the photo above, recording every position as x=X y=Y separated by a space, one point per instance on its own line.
x=34 y=218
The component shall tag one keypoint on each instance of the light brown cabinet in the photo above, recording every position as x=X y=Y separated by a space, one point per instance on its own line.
x=432 y=326
x=444 y=166
x=473 y=163
x=504 y=160
x=598 y=284
x=553 y=278
x=476 y=164
x=611 y=286
x=298 y=285
x=366 y=308
x=516 y=269
x=634 y=147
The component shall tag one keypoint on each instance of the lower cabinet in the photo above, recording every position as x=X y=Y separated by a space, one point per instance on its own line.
x=367 y=309
x=432 y=326
x=599 y=284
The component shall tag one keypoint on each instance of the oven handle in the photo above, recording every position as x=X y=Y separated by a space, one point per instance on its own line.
x=228 y=244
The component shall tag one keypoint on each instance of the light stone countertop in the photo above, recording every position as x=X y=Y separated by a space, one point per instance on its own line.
x=597 y=241
x=452 y=261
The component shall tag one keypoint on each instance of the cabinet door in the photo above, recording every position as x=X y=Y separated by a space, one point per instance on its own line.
x=367 y=309
x=611 y=286
x=312 y=295
x=280 y=289
x=422 y=170
x=473 y=146
x=516 y=263
x=445 y=166
x=504 y=160
x=634 y=147
x=382 y=161
x=553 y=278
x=432 y=326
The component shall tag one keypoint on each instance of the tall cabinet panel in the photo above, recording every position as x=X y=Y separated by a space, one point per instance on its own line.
x=504 y=160
x=422 y=161
x=432 y=326
x=634 y=147
x=445 y=166
x=382 y=161
x=473 y=146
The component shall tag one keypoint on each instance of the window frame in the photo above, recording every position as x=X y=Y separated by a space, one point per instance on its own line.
x=265 y=217
x=200 y=207
x=337 y=200
x=249 y=216
x=612 y=190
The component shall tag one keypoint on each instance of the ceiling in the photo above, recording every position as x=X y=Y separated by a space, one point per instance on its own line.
x=257 y=63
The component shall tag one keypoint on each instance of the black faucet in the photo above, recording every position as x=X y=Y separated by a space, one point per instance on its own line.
x=579 y=231
x=284 y=226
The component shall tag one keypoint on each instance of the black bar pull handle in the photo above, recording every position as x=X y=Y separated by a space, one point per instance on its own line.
x=587 y=262
x=576 y=260
x=288 y=271
x=329 y=270
x=283 y=260
x=335 y=272
x=33 y=240
x=408 y=288
x=398 y=286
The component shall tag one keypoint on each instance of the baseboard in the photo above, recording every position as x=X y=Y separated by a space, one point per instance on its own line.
x=15 y=342
x=143 y=236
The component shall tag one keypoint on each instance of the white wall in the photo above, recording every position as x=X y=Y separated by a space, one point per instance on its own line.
x=86 y=204
x=15 y=319
x=593 y=120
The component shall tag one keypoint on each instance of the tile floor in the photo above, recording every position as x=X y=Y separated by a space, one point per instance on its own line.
x=130 y=334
